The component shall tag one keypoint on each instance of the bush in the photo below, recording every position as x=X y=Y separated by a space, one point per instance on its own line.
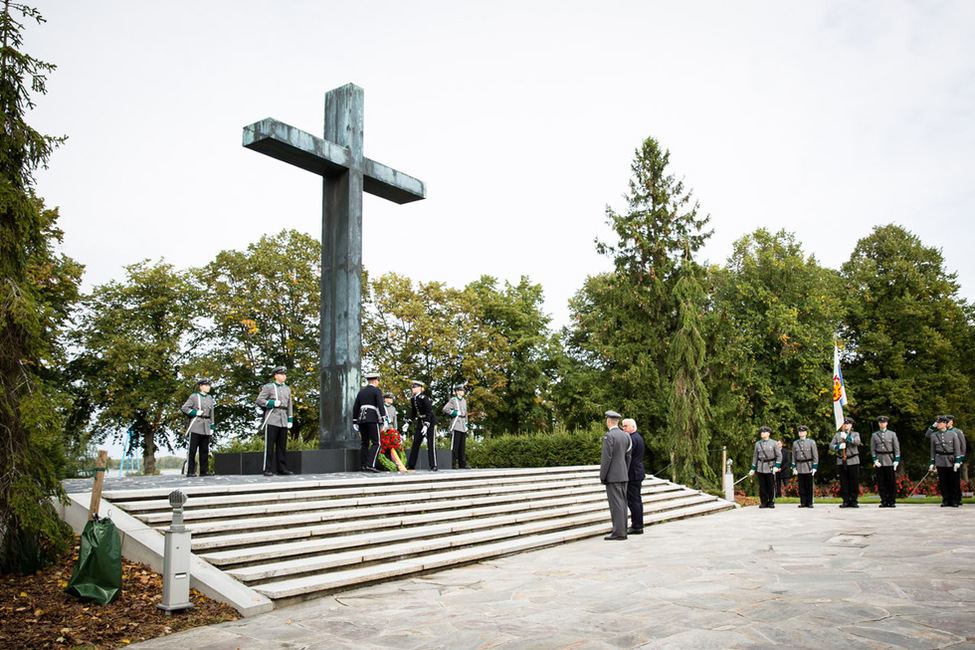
x=556 y=449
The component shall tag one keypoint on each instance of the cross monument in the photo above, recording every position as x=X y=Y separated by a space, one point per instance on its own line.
x=347 y=174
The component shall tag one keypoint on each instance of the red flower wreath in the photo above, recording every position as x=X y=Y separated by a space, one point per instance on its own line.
x=390 y=439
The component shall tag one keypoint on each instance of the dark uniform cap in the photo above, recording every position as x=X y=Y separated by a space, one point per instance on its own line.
x=769 y=429
x=802 y=428
x=883 y=418
x=203 y=380
x=417 y=382
x=949 y=418
x=369 y=376
x=942 y=418
x=280 y=370
x=613 y=414
x=847 y=420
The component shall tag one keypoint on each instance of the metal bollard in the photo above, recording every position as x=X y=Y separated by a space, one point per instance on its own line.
x=729 y=482
x=176 y=560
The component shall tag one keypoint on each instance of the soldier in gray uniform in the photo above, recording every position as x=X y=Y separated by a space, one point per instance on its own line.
x=275 y=399
x=805 y=462
x=885 y=450
x=456 y=409
x=390 y=422
x=767 y=461
x=963 y=450
x=613 y=472
x=946 y=457
x=199 y=409
x=846 y=444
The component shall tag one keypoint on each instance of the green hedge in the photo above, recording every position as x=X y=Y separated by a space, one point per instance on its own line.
x=559 y=448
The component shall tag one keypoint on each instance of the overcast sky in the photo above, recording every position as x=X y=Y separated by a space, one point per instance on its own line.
x=822 y=118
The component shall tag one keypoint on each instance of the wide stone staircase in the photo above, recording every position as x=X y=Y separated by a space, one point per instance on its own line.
x=294 y=539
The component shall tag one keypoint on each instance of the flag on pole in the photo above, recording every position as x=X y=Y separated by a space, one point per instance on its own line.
x=839 y=389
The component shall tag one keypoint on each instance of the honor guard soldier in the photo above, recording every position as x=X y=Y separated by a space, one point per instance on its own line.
x=846 y=444
x=368 y=412
x=391 y=421
x=885 y=450
x=805 y=462
x=199 y=409
x=613 y=472
x=963 y=450
x=456 y=408
x=424 y=423
x=275 y=399
x=767 y=461
x=946 y=457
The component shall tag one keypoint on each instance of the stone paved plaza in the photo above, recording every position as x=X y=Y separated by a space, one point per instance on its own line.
x=788 y=577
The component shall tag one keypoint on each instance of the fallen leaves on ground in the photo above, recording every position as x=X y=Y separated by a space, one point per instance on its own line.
x=36 y=613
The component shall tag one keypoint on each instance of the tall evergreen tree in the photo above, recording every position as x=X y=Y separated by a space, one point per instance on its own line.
x=37 y=287
x=690 y=406
x=623 y=322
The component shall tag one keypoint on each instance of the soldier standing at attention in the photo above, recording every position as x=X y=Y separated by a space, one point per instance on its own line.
x=846 y=444
x=945 y=457
x=275 y=399
x=368 y=412
x=425 y=422
x=805 y=462
x=767 y=461
x=613 y=471
x=962 y=450
x=390 y=421
x=456 y=408
x=199 y=408
x=634 y=478
x=885 y=450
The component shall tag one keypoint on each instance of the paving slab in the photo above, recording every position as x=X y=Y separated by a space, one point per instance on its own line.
x=749 y=578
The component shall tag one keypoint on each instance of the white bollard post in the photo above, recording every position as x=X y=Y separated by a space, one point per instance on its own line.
x=729 y=482
x=176 y=560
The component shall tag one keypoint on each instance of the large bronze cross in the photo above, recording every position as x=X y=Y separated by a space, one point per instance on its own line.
x=347 y=174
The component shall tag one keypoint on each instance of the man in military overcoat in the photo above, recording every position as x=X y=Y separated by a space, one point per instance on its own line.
x=199 y=409
x=805 y=462
x=885 y=450
x=275 y=399
x=424 y=423
x=368 y=412
x=613 y=472
x=846 y=444
x=767 y=462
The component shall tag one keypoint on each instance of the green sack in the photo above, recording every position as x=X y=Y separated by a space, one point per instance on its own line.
x=98 y=576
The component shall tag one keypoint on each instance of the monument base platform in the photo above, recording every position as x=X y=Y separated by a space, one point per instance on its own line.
x=309 y=461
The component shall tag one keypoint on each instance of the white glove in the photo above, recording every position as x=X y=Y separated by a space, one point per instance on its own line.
x=751 y=473
x=842 y=445
x=290 y=424
x=931 y=467
x=406 y=427
x=814 y=472
x=776 y=470
x=896 y=463
x=876 y=463
x=355 y=427
x=795 y=472
x=957 y=465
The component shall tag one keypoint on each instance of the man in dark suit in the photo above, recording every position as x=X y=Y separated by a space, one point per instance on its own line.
x=635 y=476
x=424 y=423
x=613 y=469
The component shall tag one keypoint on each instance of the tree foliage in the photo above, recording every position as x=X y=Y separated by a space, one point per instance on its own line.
x=135 y=339
x=907 y=335
x=37 y=287
x=263 y=309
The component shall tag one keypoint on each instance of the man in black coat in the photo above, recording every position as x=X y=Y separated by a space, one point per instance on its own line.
x=424 y=423
x=368 y=412
x=635 y=476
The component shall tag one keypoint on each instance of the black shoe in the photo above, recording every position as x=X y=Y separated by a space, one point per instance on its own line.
x=207 y=474
x=634 y=531
x=433 y=469
x=191 y=475
x=845 y=505
x=464 y=467
x=268 y=473
x=614 y=537
x=286 y=472
x=771 y=505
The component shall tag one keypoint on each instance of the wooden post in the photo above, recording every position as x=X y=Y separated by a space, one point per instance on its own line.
x=724 y=460
x=673 y=470
x=96 y=492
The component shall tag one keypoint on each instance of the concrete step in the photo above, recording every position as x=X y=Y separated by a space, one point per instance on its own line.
x=299 y=538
